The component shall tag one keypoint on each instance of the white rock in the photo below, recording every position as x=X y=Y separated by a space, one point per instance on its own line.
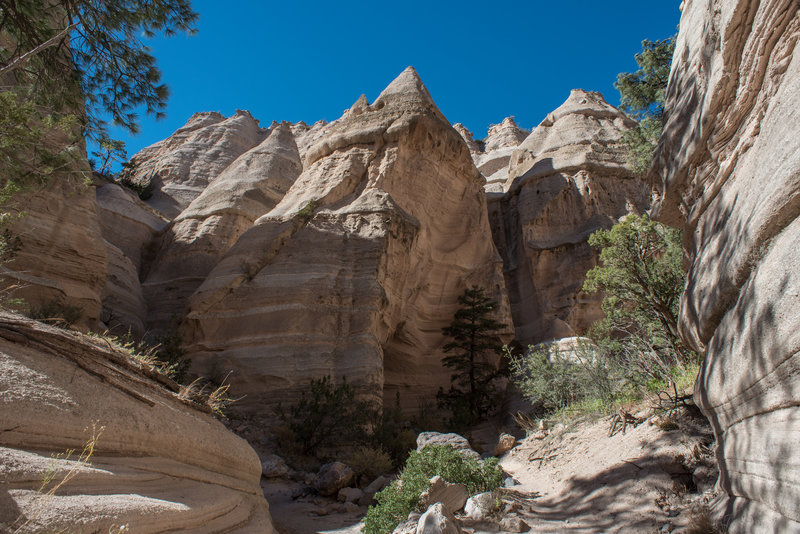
x=481 y=506
x=437 y=520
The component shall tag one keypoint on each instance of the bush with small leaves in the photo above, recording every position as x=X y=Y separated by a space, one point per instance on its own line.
x=403 y=495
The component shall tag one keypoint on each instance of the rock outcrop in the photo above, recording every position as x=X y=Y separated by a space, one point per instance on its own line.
x=493 y=155
x=248 y=188
x=157 y=463
x=354 y=273
x=129 y=229
x=180 y=167
x=728 y=171
x=567 y=179
x=62 y=261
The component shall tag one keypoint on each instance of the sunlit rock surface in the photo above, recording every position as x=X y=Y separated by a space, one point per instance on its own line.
x=357 y=269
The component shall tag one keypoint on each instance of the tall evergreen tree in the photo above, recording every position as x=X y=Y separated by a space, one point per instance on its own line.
x=475 y=348
x=642 y=95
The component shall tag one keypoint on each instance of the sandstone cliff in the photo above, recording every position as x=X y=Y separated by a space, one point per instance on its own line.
x=359 y=266
x=62 y=259
x=728 y=171
x=248 y=188
x=160 y=463
x=181 y=166
x=567 y=179
x=493 y=155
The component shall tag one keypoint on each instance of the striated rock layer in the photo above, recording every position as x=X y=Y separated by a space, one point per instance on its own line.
x=359 y=266
x=129 y=229
x=567 y=179
x=62 y=260
x=728 y=170
x=159 y=463
x=250 y=187
x=180 y=167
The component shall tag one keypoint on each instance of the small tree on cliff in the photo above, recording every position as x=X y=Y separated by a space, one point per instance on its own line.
x=475 y=349
x=642 y=95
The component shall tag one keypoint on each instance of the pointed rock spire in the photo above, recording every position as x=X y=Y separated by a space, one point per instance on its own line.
x=406 y=87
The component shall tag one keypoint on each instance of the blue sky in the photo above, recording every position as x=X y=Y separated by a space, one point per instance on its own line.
x=481 y=61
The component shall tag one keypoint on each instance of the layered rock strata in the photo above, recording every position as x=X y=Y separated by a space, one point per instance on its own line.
x=566 y=180
x=727 y=170
x=62 y=261
x=195 y=241
x=180 y=167
x=493 y=155
x=158 y=462
x=129 y=229
x=354 y=273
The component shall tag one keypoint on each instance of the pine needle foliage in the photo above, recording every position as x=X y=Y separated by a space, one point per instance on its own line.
x=476 y=349
x=642 y=95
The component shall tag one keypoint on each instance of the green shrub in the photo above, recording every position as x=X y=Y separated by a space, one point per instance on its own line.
x=402 y=496
x=144 y=190
x=369 y=462
x=327 y=415
x=307 y=211
x=554 y=379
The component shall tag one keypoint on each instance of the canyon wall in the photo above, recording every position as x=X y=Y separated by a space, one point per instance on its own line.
x=727 y=170
x=566 y=180
x=356 y=270
x=159 y=462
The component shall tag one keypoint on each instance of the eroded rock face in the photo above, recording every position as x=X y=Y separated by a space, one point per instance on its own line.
x=159 y=463
x=62 y=258
x=728 y=171
x=493 y=155
x=250 y=187
x=129 y=229
x=182 y=165
x=566 y=180
x=357 y=269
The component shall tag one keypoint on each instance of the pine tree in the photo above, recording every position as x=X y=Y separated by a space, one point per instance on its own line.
x=475 y=348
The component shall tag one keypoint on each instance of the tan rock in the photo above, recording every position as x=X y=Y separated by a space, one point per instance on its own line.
x=505 y=443
x=62 y=258
x=129 y=228
x=181 y=166
x=437 y=520
x=357 y=269
x=568 y=179
x=728 y=171
x=160 y=463
x=451 y=496
x=248 y=188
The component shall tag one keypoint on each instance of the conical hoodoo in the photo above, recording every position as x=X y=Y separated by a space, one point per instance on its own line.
x=354 y=273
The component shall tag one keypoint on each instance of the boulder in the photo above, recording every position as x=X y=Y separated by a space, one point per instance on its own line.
x=437 y=520
x=727 y=170
x=513 y=524
x=156 y=461
x=451 y=496
x=481 y=506
x=273 y=466
x=455 y=441
x=505 y=443
x=350 y=495
x=332 y=477
x=372 y=488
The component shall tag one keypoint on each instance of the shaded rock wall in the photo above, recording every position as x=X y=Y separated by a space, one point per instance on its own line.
x=159 y=464
x=728 y=171
x=567 y=179
x=361 y=285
